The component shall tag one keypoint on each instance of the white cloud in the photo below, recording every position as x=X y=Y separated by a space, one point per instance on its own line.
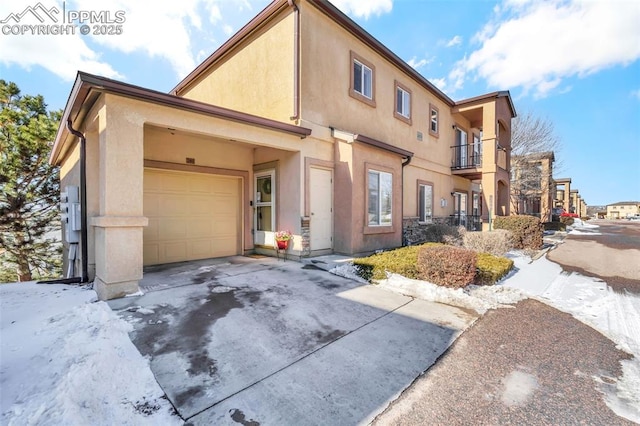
x=364 y=9
x=537 y=44
x=227 y=30
x=456 y=40
x=440 y=83
x=415 y=63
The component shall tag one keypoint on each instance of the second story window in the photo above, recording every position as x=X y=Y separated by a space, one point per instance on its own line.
x=403 y=103
x=433 y=121
x=362 y=85
x=362 y=79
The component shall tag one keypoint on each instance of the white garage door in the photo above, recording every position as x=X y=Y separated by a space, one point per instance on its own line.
x=191 y=216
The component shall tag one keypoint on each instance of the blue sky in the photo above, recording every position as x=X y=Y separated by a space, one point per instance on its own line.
x=574 y=63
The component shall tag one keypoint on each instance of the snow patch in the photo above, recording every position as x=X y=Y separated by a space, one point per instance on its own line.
x=67 y=361
x=348 y=270
x=478 y=298
x=518 y=387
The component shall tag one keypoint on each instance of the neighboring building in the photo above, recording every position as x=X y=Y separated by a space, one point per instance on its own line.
x=301 y=121
x=623 y=209
x=533 y=189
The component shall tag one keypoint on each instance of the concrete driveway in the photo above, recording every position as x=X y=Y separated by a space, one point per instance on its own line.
x=261 y=341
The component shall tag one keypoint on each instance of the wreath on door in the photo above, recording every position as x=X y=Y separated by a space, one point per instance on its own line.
x=266 y=186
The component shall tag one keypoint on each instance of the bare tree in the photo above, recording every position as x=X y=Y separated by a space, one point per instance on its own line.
x=534 y=150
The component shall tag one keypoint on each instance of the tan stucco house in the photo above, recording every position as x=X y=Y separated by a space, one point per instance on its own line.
x=623 y=209
x=533 y=190
x=302 y=121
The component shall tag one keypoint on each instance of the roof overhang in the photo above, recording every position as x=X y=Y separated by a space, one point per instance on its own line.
x=494 y=95
x=87 y=88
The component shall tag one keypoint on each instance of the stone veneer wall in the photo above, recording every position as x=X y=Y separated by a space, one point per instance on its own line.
x=414 y=232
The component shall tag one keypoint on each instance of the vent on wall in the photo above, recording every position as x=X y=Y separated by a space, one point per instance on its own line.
x=191 y=160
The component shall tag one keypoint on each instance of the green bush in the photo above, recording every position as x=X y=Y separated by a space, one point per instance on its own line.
x=399 y=261
x=489 y=268
x=446 y=265
x=568 y=221
x=554 y=226
x=496 y=242
x=527 y=230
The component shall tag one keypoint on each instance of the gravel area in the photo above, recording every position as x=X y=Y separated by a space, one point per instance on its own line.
x=613 y=256
x=530 y=365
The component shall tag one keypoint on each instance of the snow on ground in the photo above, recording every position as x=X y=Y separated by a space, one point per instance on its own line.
x=580 y=227
x=66 y=359
x=590 y=300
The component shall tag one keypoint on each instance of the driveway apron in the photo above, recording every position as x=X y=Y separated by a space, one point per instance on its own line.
x=257 y=341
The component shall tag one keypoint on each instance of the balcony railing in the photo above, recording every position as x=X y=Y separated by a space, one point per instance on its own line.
x=467 y=156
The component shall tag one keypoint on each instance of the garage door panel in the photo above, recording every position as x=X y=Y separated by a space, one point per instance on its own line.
x=152 y=231
x=174 y=205
x=191 y=216
x=172 y=229
x=202 y=206
x=173 y=183
x=201 y=228
x=151 y=254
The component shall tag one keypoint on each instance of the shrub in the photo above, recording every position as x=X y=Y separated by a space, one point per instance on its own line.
x=399 y=261
x=496 y=242
x=527 y=230
x=568 y=221
x=446 y=265
x=439 y=233
x=489 y=268
x=554 y=226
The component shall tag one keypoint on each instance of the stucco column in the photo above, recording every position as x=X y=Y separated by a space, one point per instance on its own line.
x=119 y=225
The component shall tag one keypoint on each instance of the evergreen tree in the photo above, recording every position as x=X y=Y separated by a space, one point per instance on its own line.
x=29 y=188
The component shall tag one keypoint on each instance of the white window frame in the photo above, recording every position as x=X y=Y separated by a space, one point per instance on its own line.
x=403 y=100
x=363 y=80
x=379 y=213
x=422 y=203
x=434 y=124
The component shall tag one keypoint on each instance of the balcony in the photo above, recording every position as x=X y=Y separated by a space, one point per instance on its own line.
x=466 y=160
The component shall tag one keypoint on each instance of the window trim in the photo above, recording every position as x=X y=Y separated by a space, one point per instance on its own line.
x=425 y=183
x=432 y=109
x=352 y=91
x=396 y=114
x=382 y=228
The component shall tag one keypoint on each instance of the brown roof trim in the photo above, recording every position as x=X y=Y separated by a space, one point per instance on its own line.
x=87 y=83
x=355 y=29
x=257 y=22
x=382 y=145
x=500 y=94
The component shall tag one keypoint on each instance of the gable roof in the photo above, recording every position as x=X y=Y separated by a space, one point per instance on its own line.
x=87 y=88
x=350 y=26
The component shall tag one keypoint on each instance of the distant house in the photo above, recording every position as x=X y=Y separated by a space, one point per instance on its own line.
x=301 y=121
x=623 y=209
x=532 y=185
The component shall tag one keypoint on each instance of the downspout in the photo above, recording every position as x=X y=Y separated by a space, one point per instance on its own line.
x=296 y=61
x=404 y=164
x=83 y=199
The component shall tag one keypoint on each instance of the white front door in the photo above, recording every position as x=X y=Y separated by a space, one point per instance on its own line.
x=321 y=206
x=264 y=219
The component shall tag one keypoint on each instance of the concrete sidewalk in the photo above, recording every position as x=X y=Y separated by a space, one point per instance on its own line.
x=257 y=340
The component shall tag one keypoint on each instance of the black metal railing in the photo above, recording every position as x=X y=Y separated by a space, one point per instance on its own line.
x=466 y=156
x=471 y=223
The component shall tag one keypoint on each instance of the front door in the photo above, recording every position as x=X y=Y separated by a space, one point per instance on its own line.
x=321 y=206
x=461 y=142
x=264 y=219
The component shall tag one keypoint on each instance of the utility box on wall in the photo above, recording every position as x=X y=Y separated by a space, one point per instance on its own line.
x=70 y=214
